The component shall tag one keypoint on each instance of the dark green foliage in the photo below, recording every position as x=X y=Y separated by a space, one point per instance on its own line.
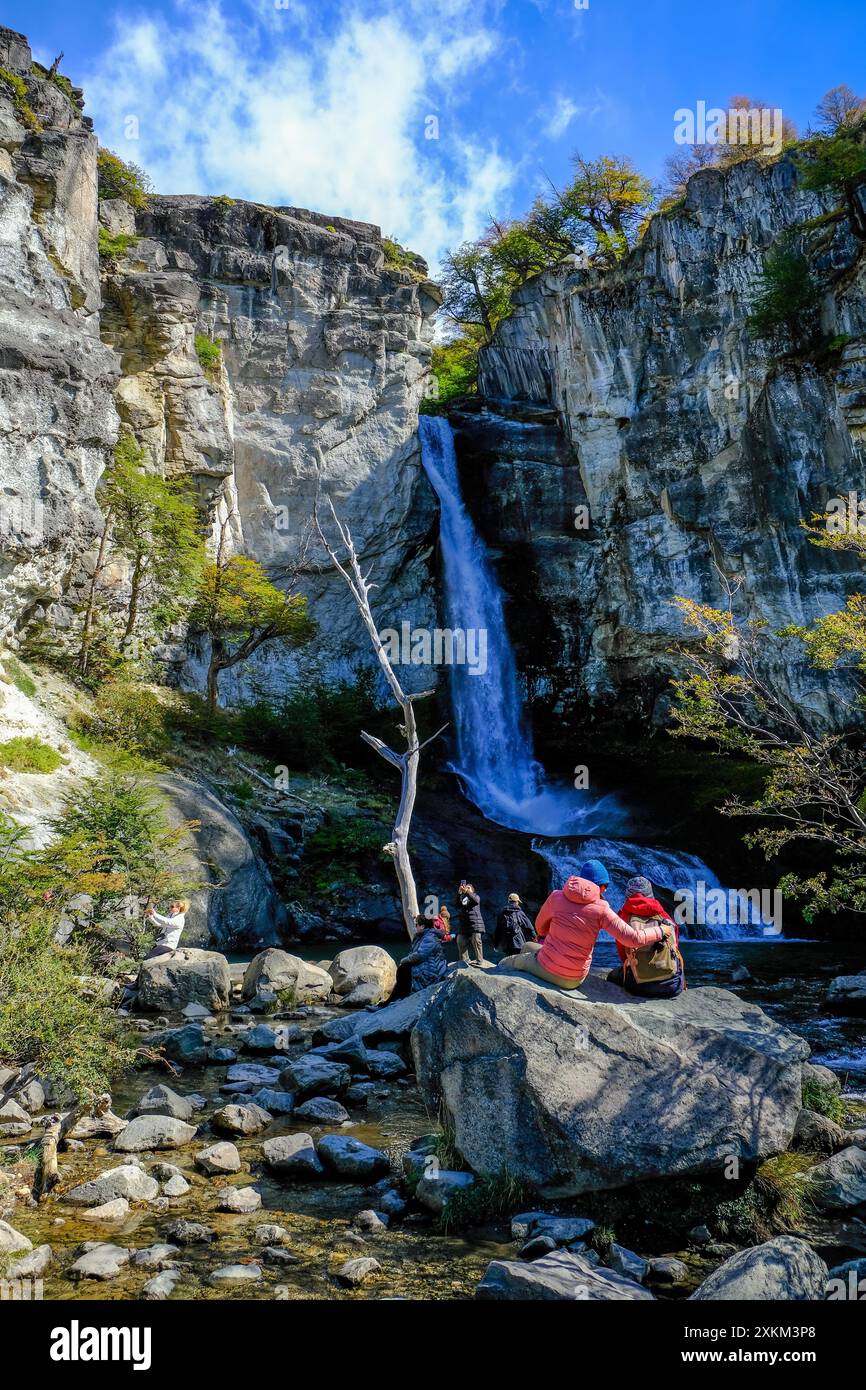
x=111 y=248
x=786 y=305
x=829 y=161
x=209 y=353
x=118 y=179
x=26 y=753
x=17 y=89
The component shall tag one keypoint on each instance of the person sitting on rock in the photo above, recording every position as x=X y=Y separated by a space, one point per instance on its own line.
x=662 y=977
x=513 y=927
x=426 y=960
x=171 y=927
x=568 y=925
x=470 y=924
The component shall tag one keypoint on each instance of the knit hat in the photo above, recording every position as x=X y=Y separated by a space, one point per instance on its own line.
x=514 y=897
x=639 y=885
x=595 y=871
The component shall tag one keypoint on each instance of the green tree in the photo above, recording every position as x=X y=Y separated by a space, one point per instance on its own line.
x=600 y=211
x=118 y=179
x=240 y=610
x=785 y=307
x=815 y=783
x=155 y=526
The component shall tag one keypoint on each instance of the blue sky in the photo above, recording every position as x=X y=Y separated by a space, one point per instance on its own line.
x=333 y=105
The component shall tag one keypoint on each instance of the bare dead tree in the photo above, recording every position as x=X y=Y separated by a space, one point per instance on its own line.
x=406 y=762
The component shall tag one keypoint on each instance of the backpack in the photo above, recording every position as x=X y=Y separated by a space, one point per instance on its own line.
x=653 y=964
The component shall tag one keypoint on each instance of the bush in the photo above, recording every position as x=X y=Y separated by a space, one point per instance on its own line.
x=224 y=201
x=17 y=88
x=788 y=296
x=398 y=258
x=454 y=366
x=313 y=725
x=111 y=248
x=128 y=716
x=486 y=1199
x=120 y=180
x=829 y=161
x=823 y=1099
x=341 y=848
x=25 y=753
x=209 y=353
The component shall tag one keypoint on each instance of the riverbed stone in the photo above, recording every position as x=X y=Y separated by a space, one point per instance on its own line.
x=666 y=1269
x=847 y=995
x=101 y=1261
x=839 y=1182
x=176 y=1186
x=356 y=1272
x=189 y=976
x=162 y=1285
x=237 y=1274
x=563 y=1230
x=626 y=1262
x=14 y=1119
x=11 y=1241
x=363 y=975
x=393 y=1021
x=154 y=1132
x=183 y=1232
x=129 y=1181
x=162 y=1100
x=350 y=1159
x=817 y=1134
x=33 y=1265
x=243 y=1200
x=268 y=1233
x=102 y=1126
x=115 y=1210
x=563 y=1275
x=293 y=1156
x=255 y=1073
x=156 y=1256
x=275 y=1102
x=385 y=1065
x=241 y=1119
x=783 y=1269
x=547 y=1084
x=187 y=1044
x=438 y=1185
x=370 y=1222
x=312 y=1075
x=322 y=1110
x=278 y=971
x=219 y=1158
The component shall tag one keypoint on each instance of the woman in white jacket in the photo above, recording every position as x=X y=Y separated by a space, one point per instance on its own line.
x=170 y=927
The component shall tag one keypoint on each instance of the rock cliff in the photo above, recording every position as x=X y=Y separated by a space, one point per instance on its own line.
x=641 y=395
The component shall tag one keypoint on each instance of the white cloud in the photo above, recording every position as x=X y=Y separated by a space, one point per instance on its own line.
x=287 y=113
x=561 y=117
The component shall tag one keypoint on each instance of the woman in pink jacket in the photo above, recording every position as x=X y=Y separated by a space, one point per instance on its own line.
x=567 y=926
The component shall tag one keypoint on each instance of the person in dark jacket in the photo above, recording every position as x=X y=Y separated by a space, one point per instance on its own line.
x=513 y=927
x=470 y=924
x=426 y=959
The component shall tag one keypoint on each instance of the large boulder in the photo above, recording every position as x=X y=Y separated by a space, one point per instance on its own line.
x=277 y=970
x=597 y=1089
x=148 y=1132
x=394 y=1021
x=239 y=904
x=847 y=994
x=127 y=1181
x=563 y=1274
x=363 y=975
x=168 y=983
x=785 y=1269
x=839 y=1182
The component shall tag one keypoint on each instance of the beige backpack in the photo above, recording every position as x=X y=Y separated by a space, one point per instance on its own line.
x=660 y=961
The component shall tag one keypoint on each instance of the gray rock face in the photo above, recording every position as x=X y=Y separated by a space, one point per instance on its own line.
x=784 y=1269
x=58 y=420
x=363 y=975
x=242 y=906
x=277 y=970
x=394 y=1021
x=562 y=1275
x=582 y=1093
x=687 y=439
x=168 y=982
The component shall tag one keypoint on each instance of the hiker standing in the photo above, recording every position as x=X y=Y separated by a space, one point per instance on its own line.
x=513 y=927
x=470 y=924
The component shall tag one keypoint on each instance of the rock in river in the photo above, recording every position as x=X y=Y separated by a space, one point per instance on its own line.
x=312 y=1075
x=277 y=970
x=785 y=1269
x=126 y=1181
x=292 y=1156
x=562 y=1275
x=839 y=1182
x=218 y=1159
x=189 y=976
x=363 y=975
x=348 y=1158
x=581 y=1092
x=154 y=1132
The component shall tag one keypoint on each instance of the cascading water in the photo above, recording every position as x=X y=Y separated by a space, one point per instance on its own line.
x=495 y=760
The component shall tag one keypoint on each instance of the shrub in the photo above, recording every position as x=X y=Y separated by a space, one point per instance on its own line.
x=823 y=1099
x=19 y=677
x=774 y=1201
x=25 y=753
x=17 y=88
x=829 y=161
x=224 y=201
x=111 y=248
x=788 y=296
x=209 y=353
x=454 y=366
x=127 y=715
x=398 y=258
x=486 y=1199
x=120 y=180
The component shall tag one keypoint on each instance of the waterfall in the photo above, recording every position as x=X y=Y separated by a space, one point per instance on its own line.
x=495 y=761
